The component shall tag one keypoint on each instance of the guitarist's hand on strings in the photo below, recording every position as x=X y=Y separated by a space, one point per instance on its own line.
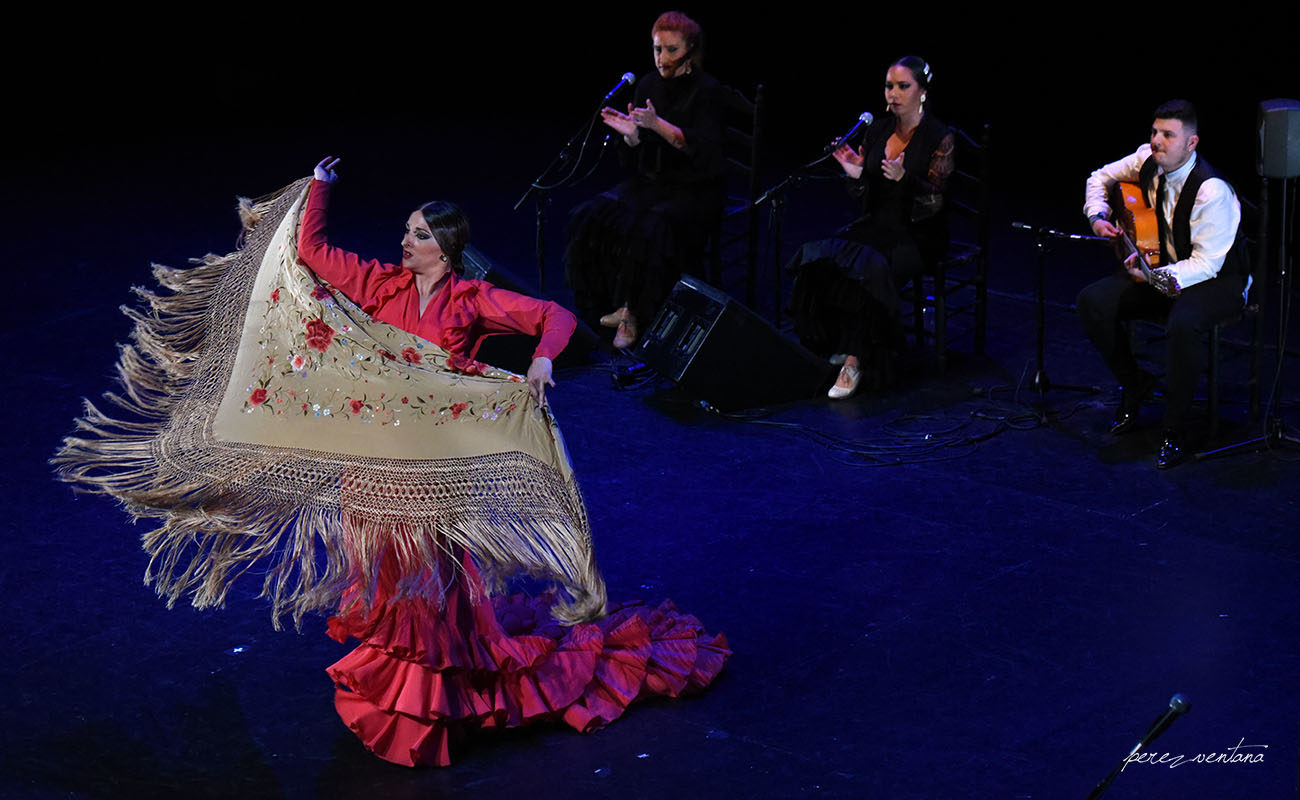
x=1134 y=270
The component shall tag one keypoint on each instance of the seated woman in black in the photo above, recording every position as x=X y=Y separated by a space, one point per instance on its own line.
x=628 y=246
x=845 y=298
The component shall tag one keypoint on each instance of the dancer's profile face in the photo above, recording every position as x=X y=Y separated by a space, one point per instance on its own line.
x=420 y=250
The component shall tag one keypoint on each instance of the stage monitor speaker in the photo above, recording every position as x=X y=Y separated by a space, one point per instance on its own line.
x=479 y=267
x=720 y=351
x=1279 y=138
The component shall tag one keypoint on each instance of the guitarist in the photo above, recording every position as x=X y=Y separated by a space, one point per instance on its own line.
x=1201 y=263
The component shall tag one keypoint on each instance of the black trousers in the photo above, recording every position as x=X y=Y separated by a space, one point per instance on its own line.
x=1106 y=305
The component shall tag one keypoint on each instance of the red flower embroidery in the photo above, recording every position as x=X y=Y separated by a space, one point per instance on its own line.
x=457 y=409
x=357 y=405
x=319 y=292
x=387 y=354
x=258 y=397
x=404 y=400
x=468 y=366
x=275 y=296
x=304 y=406
x=319 y=334
x=411 y=356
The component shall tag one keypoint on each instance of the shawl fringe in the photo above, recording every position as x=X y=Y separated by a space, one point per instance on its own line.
x=315 y=522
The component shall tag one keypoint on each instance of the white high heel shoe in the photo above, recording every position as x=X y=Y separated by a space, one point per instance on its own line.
x=854 y=375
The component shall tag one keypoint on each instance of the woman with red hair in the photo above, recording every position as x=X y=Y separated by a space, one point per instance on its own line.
x=628 y=246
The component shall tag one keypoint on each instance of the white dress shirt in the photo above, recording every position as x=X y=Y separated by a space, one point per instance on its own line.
x=1215 y=213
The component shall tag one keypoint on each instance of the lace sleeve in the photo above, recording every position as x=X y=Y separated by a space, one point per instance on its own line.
x=930 y=189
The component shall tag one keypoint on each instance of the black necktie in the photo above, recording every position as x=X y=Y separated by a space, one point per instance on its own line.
x=1163 y=226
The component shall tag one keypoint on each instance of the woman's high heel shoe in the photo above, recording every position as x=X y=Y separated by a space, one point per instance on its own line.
x=625 y=336
x=615 y=318
x=853 y=374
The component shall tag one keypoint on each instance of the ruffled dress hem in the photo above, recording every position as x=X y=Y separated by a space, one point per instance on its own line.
x=424 y=676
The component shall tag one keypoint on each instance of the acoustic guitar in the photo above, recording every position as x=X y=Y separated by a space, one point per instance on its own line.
x=1140 y=234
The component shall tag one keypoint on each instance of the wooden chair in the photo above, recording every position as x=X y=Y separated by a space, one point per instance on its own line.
x=1250 y=313
x=1148 y=333
x=734 y=240
x=964 y=269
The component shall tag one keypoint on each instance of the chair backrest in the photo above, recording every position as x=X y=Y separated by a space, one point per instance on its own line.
x=738 y=227
x=1253 y=229
x=965 y=266
x=742 y=133
x=969 y=190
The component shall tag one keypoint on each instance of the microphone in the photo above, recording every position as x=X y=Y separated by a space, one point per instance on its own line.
x=1178 y=706
x=627 y=80
x=864 y=119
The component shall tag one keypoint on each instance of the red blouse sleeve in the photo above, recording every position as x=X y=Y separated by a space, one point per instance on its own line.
x=368 y=283
x=503 y=311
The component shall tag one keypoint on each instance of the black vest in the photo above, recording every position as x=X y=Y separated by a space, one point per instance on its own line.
x=1237 y=261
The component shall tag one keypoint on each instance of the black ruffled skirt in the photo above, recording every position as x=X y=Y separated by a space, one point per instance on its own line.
x=628 y=246
x=846 y=299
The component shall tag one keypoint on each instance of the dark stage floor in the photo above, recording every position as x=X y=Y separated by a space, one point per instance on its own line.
x=943 y=590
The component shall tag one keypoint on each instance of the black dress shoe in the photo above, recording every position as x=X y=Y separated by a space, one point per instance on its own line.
x=1171 y=451
x=1130 y=403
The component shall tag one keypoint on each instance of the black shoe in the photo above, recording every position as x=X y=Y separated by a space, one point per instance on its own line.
x=1130 y=403
x=1171 y=451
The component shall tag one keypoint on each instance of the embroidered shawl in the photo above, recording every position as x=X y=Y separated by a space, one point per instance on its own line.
x=276 y=427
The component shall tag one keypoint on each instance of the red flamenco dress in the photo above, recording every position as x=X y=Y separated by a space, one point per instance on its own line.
x=425 y=675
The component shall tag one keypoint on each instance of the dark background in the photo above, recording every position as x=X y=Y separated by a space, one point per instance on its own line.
x=453 y=102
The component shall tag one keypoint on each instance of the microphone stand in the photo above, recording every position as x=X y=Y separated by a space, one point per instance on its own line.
x=539 y=189
x=774 y=198
x=1275 y=429
x=1178 y=705
x=1041 y=383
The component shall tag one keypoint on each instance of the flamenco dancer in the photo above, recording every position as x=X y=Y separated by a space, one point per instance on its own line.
x=323 y=417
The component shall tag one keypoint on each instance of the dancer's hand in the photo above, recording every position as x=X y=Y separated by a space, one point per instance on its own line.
x=539 y=377
x=325 y=169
